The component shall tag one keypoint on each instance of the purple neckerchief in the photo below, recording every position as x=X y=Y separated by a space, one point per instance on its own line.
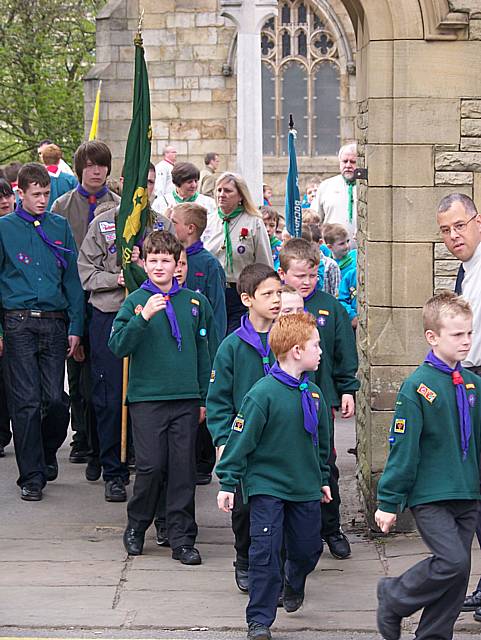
x=311 y=295
x=92 y=198
x=308 y=403
x=461 y=398
x=195 y=248
x=37 y=225
x=247 y=333
x=148 y=285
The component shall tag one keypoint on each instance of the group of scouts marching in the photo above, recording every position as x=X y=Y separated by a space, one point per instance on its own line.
x=258 y=403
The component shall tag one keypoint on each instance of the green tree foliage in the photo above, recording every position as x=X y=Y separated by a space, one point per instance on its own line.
x=46 y=47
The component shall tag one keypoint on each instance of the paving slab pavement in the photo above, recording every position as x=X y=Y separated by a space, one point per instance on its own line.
x=64 y=569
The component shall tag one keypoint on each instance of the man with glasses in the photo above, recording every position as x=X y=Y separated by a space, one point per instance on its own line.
x=460 y=229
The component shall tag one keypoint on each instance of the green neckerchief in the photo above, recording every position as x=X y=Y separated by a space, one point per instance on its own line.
x=178 y=199
x=227 y=239
x=350 y=198
x=344 y=262
x=275 y=242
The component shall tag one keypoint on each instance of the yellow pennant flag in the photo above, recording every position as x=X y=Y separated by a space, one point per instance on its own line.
x=95 y=119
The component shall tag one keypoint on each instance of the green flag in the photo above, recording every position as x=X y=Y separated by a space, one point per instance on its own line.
x=134 y=205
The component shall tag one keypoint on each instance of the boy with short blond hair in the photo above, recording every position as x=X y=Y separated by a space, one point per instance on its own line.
x=291 y=301
x=278 y=448
x=205 y=273
x=163 y=329
x=433 y=468
x=271 y=218
x=242 y=359
x=336 y=237
x=336 y=375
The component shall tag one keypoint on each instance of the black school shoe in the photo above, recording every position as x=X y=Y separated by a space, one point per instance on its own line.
x=51 y=471
x=338 y=545
x=78 y=455
x=31 y=493
x=115 y=490
x=242 y=578
x=388 y=622
x=93 y=470
x=161 y=536
x=133 y=541
x=258 y=631
x=187 y=555
x=2 y=451
x=291 y=600
x=472 y=602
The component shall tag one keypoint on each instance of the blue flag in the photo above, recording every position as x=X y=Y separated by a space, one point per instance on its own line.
x=293 y=199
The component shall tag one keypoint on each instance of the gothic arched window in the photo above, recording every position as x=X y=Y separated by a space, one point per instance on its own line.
x=300 y=75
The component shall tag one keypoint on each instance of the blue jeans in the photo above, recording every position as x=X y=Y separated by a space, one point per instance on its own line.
x=273 y=521
x=35 y=351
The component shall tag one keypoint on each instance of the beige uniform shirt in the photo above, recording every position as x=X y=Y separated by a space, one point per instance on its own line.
x=207 y=181
x=75 y=208
x=250 y=242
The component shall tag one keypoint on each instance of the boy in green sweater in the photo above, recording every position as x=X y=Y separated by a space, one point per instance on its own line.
x=242 y=359
x=163 y=329
x=433 y=468
x=278 y=448
x=336 y=375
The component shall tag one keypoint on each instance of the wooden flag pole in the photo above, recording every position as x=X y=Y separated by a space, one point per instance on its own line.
x=123 y=433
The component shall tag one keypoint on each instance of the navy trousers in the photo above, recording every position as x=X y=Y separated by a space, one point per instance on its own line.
x=35 y=351
x=274 y=521
x=106 y=395
x=5 y=433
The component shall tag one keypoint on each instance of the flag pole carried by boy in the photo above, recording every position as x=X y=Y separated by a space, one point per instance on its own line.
x=293 y=199
x=133 y=211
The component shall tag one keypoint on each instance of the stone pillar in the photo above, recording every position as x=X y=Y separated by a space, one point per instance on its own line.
x=249 y=16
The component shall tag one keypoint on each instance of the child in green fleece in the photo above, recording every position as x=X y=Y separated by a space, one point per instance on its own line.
x=163 y=328
x=433 y=468
x=242 y=359
x=336 y=375
x=278 y=447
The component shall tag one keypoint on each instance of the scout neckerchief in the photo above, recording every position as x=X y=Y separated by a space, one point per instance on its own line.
x=308 y=297
x=461 y=398
x=178 y=199
x=346 y=261
x=350 y=198
x=227 y=239
x=308 y=403
x=148 y=285
x=37 y=225
x=248 y=334
x=275 y=242
x=195 y=248
x=92 y=198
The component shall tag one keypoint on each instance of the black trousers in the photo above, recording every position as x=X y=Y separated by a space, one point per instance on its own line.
x=205 y=450
x=5 y=433
x=437 y=584
x=240 y=519
x=331 y=518
x=164 y=434
x=275 y=523
x=235 y=308
x=35 y=350
x=106 y=395
x=80 y=390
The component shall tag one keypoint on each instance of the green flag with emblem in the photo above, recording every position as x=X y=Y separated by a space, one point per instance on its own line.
x=134 y=205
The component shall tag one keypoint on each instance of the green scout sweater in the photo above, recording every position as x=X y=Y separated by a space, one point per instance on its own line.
x=425 y=460
x=237 y=366
x=270 y=451
x=337 y=371
x=206 y=275
x=158 y=370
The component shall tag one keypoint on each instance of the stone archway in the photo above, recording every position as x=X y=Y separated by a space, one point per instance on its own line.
x=412 y=106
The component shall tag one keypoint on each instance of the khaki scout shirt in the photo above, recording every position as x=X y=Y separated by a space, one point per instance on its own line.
x=75 y=208
x=207 y=181
x=250 y=242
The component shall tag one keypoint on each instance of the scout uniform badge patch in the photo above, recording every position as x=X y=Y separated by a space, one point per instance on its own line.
x=427 y=393
x=399 y=425
x=238 y=424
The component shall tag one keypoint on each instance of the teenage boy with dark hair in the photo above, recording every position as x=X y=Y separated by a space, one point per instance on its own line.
x=433 y=468
x=43 y=309
x=205 y=272
x=278 y=449
x=163 y=329
x=92 y=162
x=336 y=375
x=7 y=205
x=242 y=359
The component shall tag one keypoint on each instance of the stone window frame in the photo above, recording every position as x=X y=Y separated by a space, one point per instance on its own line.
x=339 y=54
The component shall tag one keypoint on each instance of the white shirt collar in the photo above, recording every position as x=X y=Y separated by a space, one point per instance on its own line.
x=474 y=262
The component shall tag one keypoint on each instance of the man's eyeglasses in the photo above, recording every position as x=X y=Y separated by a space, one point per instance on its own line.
x=459 y=227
